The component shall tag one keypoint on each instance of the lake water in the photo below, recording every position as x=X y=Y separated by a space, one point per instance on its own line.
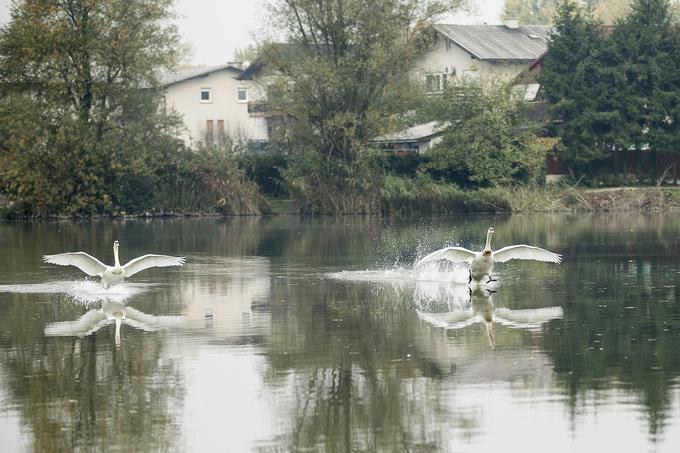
x=288 y=334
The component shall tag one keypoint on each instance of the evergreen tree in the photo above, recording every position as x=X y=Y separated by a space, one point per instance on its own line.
x=648 y=43
x=576 y=84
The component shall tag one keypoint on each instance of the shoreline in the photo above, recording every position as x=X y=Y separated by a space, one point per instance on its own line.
x=521 y=200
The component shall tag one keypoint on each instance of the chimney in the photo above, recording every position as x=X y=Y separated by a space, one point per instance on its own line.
x=511 y=22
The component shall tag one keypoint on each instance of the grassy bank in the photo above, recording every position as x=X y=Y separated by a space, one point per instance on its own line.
x=402 y=196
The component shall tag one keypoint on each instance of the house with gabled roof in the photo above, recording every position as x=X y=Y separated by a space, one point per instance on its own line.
x=214 y=103
x=480 y=51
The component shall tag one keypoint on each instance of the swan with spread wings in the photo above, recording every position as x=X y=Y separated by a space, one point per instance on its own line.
x=112 y=275
x=481 y=263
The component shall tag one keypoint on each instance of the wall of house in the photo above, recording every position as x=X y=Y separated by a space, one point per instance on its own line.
x=451 y=59
x=224 y=109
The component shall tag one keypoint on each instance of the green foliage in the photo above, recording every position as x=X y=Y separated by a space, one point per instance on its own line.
x=574 y=83
x=613 y=91
x=82 y=133
x=264 y=168
x=489 y=140
x=648 y=45
x=424 y=195
x=331 y=185
x=208 y=180
x=406 y=164
x=342 y=79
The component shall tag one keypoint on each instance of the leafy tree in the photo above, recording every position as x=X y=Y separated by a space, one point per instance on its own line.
x=488 y=140
x=609 y=11
x=82 y=132
x=537 y=12
x=343 y=78
x=540 y=12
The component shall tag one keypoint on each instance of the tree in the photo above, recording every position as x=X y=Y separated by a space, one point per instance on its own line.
x=343 y=78
x=614 y=90
x=540 y=12
x=82 y=132
x=609 y=11
x=488 y=140
x=536 y=12
x=574 y=80
x=649 y=76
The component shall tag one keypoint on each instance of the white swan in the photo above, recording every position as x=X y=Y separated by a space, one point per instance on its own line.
x=483 y=309
x=112 y=275
x=111 y=311
x=481 y=263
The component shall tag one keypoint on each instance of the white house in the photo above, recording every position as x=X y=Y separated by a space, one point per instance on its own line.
x=480 y=51
x=213 y=102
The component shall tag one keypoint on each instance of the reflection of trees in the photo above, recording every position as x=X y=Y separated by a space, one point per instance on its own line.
x=355 y=372
x=621 y=327
x=343 y=347
x=77 y=393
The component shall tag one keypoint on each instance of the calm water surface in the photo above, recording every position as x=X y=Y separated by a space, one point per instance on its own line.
x=287 y=334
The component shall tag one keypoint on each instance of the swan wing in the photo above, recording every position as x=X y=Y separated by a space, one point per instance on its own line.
x=450 y=320
x=525 y=252
x=145 y=321
x=532 y=316
x=531 y=319
x=455 y=254
x=90 y=322
x=86 y=263
x=147 y=261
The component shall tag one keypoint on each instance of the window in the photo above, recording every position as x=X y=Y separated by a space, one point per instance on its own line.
x=242 y=94
x=432 y=83
x=206 y=95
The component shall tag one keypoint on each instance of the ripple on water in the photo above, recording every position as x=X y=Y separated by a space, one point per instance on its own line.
x=84 y=291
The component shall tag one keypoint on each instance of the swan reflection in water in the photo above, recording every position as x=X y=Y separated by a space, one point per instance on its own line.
x=478 y=308
x=112 y=310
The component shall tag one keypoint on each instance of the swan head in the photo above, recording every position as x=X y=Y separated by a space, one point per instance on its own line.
x=490 y=231
x=116 y=244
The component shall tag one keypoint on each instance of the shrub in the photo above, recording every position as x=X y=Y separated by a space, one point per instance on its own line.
x=265 y=168
x=322 y=184
x=422 y=194
x=208 y=180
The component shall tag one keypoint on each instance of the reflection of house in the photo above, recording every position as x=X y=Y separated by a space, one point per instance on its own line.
x=480 y=51
x=416 y=139
x=226 y=298
x=214 y=102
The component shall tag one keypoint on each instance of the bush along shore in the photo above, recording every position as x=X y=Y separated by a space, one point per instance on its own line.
x=216 y=182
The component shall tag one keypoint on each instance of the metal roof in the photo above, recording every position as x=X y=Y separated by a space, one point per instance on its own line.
x=414 y=133
x=499 y=42
x=190 y=73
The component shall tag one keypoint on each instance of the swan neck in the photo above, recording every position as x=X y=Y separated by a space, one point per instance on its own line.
x=115 y=257
x=490 y=335
x=117 y=337
x=487 y=247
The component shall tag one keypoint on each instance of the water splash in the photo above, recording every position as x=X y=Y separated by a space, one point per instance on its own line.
x=408 y=276
x=85 y=291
